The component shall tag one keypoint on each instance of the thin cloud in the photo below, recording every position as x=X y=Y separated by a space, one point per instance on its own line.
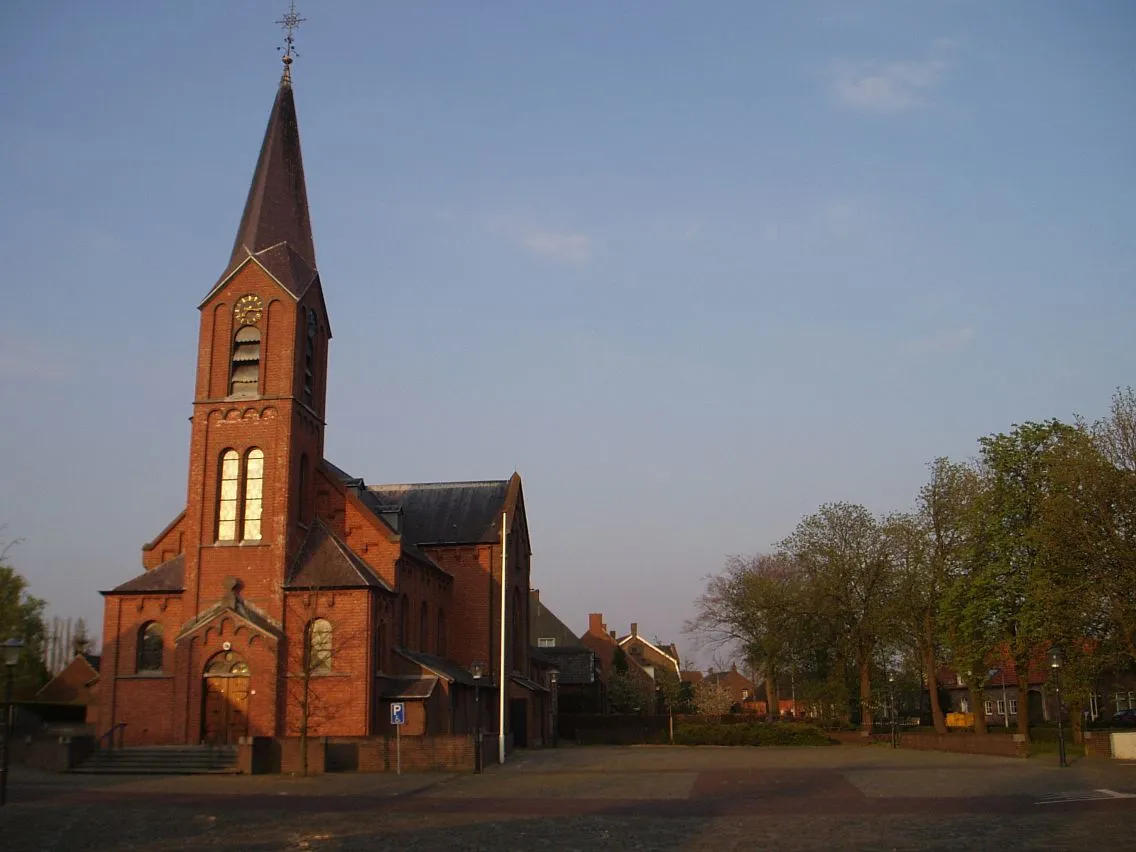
x=947 y=340
x=892 y=86
x=572 y=247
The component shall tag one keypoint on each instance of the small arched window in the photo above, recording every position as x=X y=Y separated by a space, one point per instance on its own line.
x=246 y=362
x=254 y=494
x=150 y=647
x=423 y=615
x=381 y=648
x=229 y=497
x=319 y=647
x=440 y=638
x=404 y=621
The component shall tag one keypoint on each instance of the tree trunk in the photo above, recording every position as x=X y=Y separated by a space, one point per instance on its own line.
x=1023 y=699
x=866 y=693
x=1076 y=720
x=937 y=717
x=772 y=702
x=978 y=707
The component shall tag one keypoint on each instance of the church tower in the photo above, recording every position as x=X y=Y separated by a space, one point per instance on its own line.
x=258 y=410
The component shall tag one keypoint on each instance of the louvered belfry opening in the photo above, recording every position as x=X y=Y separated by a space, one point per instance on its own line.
x=246 y=362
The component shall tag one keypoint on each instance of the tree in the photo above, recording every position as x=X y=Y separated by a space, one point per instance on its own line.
x=81 y=643
x=1022 y=602
x=753 y=607
x=842 y=552
x=21 y=617
x=712 y=699
x=627 y=695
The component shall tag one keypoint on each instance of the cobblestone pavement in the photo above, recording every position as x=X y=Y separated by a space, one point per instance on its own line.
x=600 y=798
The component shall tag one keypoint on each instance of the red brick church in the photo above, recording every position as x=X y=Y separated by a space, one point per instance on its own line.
x=288 y=592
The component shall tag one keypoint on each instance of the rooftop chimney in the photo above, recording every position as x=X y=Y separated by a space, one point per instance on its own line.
x=634 y=629
x=595 y=623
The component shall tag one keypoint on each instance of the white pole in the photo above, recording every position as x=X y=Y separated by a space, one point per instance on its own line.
x=501 y=668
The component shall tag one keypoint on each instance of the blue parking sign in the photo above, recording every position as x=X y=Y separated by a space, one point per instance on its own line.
x=398 y=713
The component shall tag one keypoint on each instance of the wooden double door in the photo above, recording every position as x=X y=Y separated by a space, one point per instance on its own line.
x=224 y=718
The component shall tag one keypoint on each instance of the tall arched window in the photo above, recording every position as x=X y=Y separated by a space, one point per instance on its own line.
x=245 y=379
x=302 y=497
x=440 y=638
x=520 y=638
x=381 y=648
x=404 y=621
x=319 y=647
x=423 y=616
x=150 y=647
x=309 y=359
x=229 y=496
x=254 y=494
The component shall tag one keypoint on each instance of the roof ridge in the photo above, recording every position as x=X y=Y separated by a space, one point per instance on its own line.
x=436 y=484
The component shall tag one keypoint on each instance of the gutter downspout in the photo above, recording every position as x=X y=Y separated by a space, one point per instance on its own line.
x=501 y=669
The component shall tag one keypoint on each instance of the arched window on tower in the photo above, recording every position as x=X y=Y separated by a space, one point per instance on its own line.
x=310 y=358
x=440 y=638
x=423 y=620
x=404 y=621
x=245 y=379
x=302 y=496
x=150 y=647
x=520 y=638
x=319 y=647
x=228 y=498
x=254 y=494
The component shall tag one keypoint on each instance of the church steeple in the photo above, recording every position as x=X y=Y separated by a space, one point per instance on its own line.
x=276 y=227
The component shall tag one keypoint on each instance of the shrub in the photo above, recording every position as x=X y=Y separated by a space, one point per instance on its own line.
x=750 y=734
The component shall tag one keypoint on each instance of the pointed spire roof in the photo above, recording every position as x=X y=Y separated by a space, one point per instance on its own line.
x=276 y=228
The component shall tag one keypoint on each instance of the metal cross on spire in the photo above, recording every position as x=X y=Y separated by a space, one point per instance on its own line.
x=290 y=22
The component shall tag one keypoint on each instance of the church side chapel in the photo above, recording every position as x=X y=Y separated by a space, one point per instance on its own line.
x=289 y=594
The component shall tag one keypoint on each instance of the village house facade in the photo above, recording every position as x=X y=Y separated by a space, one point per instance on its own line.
x=289 y=593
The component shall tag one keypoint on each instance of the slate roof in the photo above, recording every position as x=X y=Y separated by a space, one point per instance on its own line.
x=167 y=577
x=576 y=664
x=93 y=660
x=326 y=562
x=447 y=512
x=407 y=688
x=442 y=667
x=543 y=624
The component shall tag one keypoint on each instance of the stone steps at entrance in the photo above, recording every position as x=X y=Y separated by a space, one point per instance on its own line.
x=162 y=760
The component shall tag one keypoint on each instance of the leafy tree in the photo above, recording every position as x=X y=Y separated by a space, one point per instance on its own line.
x=712 y=699
x=21 y=617
x=753 y=607
x=843 y=554
x=626 y=695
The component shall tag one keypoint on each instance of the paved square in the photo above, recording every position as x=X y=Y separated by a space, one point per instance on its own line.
x=842 y=797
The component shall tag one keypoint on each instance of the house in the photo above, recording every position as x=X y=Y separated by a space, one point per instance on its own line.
x=73 y=693
x=658 y=659
x=739 y=687
x=289 y=593
x=580 y=683
x=608 y=651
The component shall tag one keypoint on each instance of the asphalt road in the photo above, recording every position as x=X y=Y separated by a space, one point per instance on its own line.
x=843 y=797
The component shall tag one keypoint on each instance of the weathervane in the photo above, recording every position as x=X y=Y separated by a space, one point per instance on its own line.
x=290 y=22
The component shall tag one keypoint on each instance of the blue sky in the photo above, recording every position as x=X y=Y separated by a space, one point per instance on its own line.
x=692 y=268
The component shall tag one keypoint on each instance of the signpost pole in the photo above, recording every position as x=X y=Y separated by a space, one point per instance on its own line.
x=398 y=749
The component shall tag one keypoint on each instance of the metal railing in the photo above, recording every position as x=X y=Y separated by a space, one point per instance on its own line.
x=107 y=740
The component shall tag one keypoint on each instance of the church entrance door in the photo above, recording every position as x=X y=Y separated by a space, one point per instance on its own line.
x=224 y=719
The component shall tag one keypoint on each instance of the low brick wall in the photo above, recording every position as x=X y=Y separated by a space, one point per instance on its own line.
x=269 y=755
x=51 y=753
x=1098 y=744
x=999 y=745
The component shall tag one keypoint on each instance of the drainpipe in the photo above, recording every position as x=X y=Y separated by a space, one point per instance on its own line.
x=501 y=669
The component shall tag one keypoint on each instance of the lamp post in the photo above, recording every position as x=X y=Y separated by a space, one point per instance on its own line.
x=12 y=649
x=554 y=678
x=891 y=710
x=1056 y=658
x=477 y=669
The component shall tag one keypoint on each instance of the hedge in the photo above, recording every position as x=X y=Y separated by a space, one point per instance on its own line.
x=750 y=734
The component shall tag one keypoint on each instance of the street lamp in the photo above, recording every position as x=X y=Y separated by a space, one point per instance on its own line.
x=12 y=649
x=1056 y=658
x=477 y=669
x=554 y=678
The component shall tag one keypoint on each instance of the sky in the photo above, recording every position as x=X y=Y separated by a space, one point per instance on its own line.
x=692 y=269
